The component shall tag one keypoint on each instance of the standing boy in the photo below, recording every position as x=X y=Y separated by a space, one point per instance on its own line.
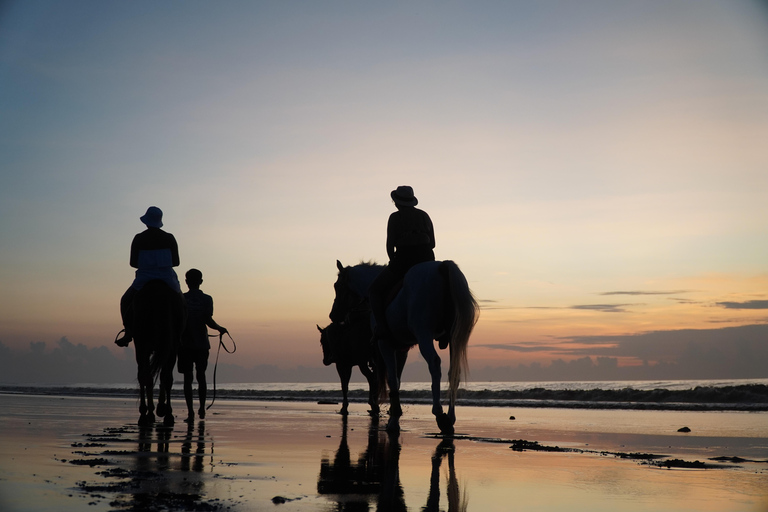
x=195 y=347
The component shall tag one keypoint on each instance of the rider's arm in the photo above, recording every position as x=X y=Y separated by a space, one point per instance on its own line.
x=392 y=227
x=174 y=251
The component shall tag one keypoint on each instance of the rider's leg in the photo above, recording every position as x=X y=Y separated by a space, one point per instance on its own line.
x=126 y=312
x=377 y=296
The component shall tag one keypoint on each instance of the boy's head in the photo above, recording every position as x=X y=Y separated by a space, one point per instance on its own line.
x=194 y=277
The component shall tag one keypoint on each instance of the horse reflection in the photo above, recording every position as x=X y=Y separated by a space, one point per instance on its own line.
x=457 y=500
x=354 y=485
x=373 y=479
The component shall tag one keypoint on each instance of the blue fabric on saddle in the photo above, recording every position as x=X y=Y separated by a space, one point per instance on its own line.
x=156 y=264
x=448 y=313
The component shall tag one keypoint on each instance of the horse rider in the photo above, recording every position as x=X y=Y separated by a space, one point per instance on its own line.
x=410 y=240
x=154 y=253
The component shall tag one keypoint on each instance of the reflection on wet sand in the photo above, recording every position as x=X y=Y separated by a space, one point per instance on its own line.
x=374 y=478
x=196 y=459
x=155 y=475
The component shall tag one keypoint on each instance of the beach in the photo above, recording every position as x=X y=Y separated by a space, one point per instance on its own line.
x=86 y=452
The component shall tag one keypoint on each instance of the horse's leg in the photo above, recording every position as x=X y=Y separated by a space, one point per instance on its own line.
x=452 y=399
x=345 y=372
x=166 y=382
x=149 y=387
x=142 y=404
x=428 y=352
x=161 y=409
x=146 y=409
x=373 y=391
x=389 y=356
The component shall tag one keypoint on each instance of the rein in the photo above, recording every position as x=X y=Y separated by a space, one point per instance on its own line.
x=216 y=365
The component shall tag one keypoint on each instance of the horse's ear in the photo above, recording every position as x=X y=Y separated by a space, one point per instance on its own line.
x=319 y=328
x=339 y=265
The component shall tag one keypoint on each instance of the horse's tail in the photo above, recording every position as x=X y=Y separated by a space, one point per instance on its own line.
x=465 y=316
x=169 y=323
x=381 y=375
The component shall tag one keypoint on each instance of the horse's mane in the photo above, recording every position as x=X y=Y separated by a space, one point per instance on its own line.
x=369 y=263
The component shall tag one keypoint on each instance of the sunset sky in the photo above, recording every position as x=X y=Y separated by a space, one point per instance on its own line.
x=597 y=169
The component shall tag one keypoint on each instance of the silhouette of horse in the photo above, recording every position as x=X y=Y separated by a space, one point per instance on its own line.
x=158 y=320
x=348 y=345
x=371 y=479
x=434 y=302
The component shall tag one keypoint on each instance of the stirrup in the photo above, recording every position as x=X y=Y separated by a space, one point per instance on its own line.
x=124 y=340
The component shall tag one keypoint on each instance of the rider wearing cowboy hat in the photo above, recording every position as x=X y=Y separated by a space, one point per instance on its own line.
x=410 y=240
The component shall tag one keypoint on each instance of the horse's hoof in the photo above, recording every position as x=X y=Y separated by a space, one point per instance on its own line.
x=445 y=423
x=344 y=411
x=161 y=409
x=146 y=420
x=374 y=412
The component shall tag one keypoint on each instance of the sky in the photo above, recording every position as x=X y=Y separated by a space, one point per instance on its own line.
x=597 y=169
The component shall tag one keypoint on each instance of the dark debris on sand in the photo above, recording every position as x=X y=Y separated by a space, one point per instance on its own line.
x=650 y=459
x=521 y=445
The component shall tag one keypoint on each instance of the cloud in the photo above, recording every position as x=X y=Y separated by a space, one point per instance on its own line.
x=66 y=363
x=638 y=292
x=750 y=304
x=604 y=308
x=725 y=353
x=513 y=347
x=718 y=351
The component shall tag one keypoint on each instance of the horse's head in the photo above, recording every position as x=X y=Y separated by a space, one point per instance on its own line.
x=346 y=299
x=329 y=341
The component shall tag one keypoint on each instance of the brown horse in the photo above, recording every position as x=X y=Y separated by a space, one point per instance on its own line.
x=435 y=302
x=158 y=321
x=348 y=345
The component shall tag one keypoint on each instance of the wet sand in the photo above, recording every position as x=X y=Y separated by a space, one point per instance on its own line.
x=75 y=453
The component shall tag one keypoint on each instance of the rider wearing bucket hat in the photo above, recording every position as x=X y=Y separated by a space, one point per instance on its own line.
x=154 y=253
x=410 y=240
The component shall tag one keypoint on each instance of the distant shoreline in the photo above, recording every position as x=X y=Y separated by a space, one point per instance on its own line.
x=746 y=397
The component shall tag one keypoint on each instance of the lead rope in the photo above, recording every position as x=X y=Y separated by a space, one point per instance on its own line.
x=216 y=365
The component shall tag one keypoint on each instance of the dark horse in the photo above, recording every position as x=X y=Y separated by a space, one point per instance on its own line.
x=434 y=302
x=348 y=345
x=158 y=320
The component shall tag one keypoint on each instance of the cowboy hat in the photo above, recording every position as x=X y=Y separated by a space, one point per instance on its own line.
x=403 y=196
